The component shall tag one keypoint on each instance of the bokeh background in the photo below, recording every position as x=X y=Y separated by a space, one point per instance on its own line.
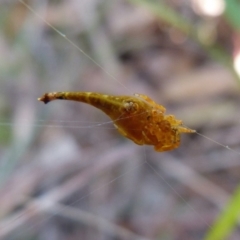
x=66 y=173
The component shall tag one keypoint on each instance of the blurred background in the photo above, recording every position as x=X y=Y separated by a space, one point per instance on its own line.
x=66 y=173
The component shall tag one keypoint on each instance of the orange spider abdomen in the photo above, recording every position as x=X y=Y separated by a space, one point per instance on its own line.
x=136 y=117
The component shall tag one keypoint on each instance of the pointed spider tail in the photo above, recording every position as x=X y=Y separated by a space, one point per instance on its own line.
x=48 y=97
x=74 y=96
x=182 y=129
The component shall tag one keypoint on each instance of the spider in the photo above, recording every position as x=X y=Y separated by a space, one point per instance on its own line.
x=136 y=117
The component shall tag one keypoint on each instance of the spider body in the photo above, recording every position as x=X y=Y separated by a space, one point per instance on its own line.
x=136 y=117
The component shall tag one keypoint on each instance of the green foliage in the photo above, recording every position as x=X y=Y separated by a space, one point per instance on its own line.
x=5 y=135
x=232 y=13
x=227 y=220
